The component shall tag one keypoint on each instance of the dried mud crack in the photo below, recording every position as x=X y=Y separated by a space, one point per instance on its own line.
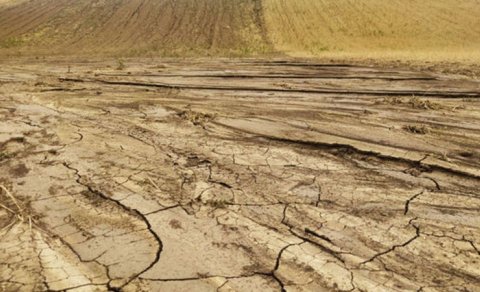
x=274 y=176
x=134 y=212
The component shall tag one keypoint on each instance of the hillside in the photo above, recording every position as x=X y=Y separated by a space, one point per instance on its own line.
x=411 y=29
x=375 y=27
x=136 y=27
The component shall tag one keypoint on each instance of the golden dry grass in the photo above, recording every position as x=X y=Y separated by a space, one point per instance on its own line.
x=7 y=3
x=396 y=29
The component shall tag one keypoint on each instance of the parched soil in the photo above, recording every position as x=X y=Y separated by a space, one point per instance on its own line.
x=247 y=175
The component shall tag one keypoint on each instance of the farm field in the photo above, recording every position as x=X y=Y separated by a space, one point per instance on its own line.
x=239 y=145
x=237 y=175
x=135 y=27
x=398 y=30
x=436 y=31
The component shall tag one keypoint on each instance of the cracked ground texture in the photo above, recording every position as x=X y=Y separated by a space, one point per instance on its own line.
x=217 y=175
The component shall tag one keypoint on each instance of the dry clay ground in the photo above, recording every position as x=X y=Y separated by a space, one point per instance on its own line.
x=237 y=176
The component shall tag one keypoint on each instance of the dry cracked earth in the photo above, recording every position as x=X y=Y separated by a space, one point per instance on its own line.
x=218 y=175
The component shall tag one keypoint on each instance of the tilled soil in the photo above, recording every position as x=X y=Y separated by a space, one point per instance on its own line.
x=133 y=27
x=216 y=175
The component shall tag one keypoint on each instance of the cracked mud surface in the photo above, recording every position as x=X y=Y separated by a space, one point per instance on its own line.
x=237 y=176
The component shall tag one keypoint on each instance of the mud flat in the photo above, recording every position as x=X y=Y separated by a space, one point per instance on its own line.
x=251 y=175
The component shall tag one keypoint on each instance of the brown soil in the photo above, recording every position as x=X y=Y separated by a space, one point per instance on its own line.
x=246 y=175
x=132 y=27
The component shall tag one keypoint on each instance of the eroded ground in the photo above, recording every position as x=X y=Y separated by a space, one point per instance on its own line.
x=237 y=176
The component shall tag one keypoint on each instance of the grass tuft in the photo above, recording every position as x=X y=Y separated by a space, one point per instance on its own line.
x=196 y=118
x=414 y=102
x=417 y=129
x=120 y=65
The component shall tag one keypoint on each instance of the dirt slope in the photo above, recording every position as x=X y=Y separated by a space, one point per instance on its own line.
x=179 y=27
x=412 y=29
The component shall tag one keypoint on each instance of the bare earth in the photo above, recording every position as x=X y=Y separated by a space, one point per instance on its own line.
x=249 y=175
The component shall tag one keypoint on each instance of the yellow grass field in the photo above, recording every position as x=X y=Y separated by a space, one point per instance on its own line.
x=418 y=29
